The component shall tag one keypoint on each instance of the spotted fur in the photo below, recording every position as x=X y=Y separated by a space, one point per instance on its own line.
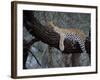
x=74 y=35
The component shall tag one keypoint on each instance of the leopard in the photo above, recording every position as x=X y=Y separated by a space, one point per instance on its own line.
x=73 y=34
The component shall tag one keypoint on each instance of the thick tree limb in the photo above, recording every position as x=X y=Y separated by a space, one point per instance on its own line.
x=47 y=35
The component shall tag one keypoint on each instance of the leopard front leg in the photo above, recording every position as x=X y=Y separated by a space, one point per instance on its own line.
x=61 y=41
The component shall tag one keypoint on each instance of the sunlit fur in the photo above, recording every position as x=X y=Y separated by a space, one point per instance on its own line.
x=70 y=33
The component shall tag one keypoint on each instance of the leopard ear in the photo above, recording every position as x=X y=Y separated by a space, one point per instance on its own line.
x=48 y=23
x=51 y=23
